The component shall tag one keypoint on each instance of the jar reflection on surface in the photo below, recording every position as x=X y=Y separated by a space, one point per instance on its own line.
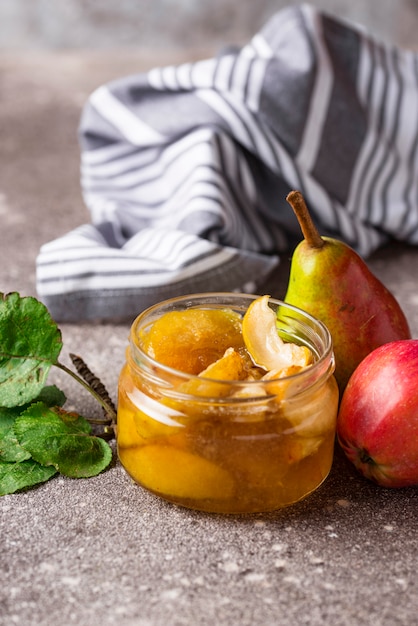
x=232 y=446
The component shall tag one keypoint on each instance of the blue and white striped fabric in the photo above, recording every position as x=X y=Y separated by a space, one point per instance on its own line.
x=185 y=169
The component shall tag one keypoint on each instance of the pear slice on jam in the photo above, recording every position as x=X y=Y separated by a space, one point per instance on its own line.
x=230 y=367
x=263 y=342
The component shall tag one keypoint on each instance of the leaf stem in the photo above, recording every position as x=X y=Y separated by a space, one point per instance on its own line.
x=109 y=409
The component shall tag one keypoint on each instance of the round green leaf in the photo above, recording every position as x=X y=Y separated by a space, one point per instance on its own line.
x=64 y=440
x=16 y=476
x=30 y=342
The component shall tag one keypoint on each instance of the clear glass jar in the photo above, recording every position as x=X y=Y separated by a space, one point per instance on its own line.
x=228 y=446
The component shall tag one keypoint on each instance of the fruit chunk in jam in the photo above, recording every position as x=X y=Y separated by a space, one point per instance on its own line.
x=191 y=340
x=221 y=436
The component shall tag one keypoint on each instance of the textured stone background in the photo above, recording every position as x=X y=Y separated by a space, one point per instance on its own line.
x=104 y=552
x=173 y=24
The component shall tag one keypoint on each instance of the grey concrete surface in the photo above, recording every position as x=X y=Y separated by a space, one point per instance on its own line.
x=103 y=551
x=168 y=24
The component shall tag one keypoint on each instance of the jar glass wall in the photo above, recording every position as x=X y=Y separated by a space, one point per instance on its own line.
x=230 y=446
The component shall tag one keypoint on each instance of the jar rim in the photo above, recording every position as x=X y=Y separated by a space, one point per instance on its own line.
x=323 y=366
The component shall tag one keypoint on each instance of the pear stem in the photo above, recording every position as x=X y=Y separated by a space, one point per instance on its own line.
x=309 y=230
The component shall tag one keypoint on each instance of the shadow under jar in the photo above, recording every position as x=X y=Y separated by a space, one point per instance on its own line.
x=228 y=446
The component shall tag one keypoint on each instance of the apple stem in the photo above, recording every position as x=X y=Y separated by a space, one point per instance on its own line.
x=309 y=230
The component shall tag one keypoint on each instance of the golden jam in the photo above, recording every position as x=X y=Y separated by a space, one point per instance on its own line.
x=201 y=425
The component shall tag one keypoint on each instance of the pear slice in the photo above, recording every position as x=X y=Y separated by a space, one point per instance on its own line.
x=263 y=342
x=175 y=473
x=230 y=367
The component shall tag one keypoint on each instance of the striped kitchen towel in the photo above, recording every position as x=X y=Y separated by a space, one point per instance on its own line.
x=185 y=169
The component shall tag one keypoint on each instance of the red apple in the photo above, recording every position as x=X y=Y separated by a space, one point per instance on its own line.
x=377 y=423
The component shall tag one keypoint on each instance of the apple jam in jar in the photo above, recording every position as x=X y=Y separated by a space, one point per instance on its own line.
x=204 y=426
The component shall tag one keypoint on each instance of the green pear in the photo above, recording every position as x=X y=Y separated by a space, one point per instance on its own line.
x=329 y=280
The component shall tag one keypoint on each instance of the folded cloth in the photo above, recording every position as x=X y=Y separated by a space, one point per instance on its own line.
x=185 y=169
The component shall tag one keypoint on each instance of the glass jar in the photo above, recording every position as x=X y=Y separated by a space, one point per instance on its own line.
x=228 y=446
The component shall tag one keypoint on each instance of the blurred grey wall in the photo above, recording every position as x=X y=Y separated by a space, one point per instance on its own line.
x=162 y=24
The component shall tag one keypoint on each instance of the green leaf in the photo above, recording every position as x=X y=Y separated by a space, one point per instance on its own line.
x=10 y=449
x=30 y=342
x=51 y=396
x=61 y=439
x=8 y=415
x=16 y=476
